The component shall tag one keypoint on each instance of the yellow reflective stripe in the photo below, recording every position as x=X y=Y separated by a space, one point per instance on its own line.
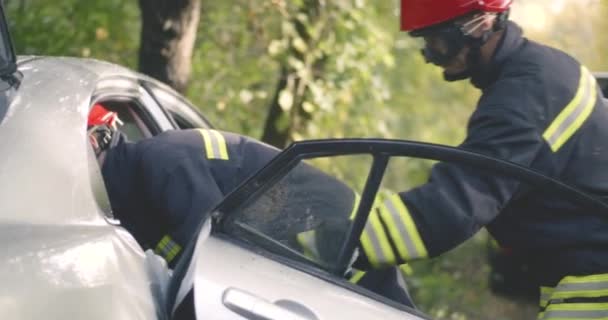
x=307 y=241
x=173 y=253
x=383 y=239
x=411 y=243
x=406 y=270
x=368 y=249
x=580 y=294
x=551 y=130
x=585 y=279
x=355 y=206
x=162 y=244
x=578 y=311
x=545 y=295
x=376 y=245
x=221 y=144
x=574 y=114
x=579 y=306
x=208 y=145
x=215 y=144
x=357 y=275
x=397 y=232
x=586 y=111
x=582 y=286
x=167 y=248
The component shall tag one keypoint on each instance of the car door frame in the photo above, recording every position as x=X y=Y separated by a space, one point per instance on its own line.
x=155 y=117
x=189 y=115
x=381 y=150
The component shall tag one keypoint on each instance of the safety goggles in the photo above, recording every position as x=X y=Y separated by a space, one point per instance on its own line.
x=443 y=42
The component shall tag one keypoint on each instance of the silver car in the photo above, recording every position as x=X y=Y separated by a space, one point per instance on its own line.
x=64 y=256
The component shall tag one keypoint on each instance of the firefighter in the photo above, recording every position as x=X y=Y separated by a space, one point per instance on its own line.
x=539 y=108
x=161 y=187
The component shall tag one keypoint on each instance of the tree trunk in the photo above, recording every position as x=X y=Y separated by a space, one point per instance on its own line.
x=168 y=33
x=274 y=134
x=282 y=123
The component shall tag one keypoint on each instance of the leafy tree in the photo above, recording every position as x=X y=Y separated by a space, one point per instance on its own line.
x=106 y=29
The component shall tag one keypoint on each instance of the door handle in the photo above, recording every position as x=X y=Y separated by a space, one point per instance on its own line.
x=253 y=307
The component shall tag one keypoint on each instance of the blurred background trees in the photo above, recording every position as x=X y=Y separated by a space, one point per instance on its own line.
x=284 y=70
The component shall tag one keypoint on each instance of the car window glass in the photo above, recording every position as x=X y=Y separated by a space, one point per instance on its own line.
x=313 y=203
x=310 y=209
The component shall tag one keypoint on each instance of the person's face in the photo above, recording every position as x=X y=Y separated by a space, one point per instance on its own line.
x=455 y=65
x=474 y=27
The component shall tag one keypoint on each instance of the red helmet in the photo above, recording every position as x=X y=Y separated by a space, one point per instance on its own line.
x=102 y=128
x=101 y=116
x=420 y=14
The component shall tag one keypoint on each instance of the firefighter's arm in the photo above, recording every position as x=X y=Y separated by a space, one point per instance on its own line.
x=183 y=200
x=456 y=201
x=180 y=190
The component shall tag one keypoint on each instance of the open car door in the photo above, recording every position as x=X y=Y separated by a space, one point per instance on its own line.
x=250 y=260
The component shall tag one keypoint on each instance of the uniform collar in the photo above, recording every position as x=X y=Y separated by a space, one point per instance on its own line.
x=511 y=41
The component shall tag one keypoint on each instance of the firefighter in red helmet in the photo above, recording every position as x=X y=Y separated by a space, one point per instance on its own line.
x=539 y=108
x=456 y=31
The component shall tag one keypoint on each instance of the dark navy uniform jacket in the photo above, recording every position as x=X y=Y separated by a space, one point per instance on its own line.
x=158 y=186
x=539 y=108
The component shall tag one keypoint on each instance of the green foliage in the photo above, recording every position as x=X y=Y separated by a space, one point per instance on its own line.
x=107 y=30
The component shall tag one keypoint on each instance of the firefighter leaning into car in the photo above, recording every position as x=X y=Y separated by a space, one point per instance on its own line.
x=539 y=108
x=160 y=187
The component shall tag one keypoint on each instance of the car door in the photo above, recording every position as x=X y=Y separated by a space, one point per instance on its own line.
x=248 y=262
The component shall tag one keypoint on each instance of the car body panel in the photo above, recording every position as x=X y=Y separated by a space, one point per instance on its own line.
x=73 y=272
x=223 y=267
x=61 y=257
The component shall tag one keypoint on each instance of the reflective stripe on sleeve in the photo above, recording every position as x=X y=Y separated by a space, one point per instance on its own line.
x=167 y=248
x=406 y=270
x=308 y=242
x=402 y=229
x=356 y=277
x=558 y=302
x=355 y=206
x=215 y=144
x=545 y=295
x=582 y=287
x=574 y=114
x=375 y=243
x=578 y=311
